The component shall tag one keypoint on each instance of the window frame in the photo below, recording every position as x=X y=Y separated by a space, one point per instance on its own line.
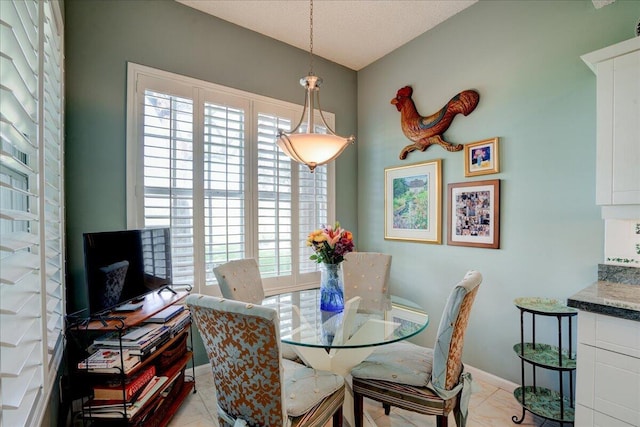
x=139 y=78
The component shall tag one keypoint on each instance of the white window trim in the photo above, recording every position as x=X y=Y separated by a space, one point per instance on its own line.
x=183 y=86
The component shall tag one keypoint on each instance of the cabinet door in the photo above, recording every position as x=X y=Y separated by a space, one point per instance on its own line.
x=607 y=383
x=618 y=111
x=602 y=420
x=587 y=417
x=617 y=386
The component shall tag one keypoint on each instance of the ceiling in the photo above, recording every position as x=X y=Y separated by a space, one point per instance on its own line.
x=353 y=33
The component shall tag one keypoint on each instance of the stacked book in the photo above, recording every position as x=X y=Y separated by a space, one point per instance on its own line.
x=179 y=322
x=112 y=400
x=140 y=341
x=110 y=361
x=165 y=315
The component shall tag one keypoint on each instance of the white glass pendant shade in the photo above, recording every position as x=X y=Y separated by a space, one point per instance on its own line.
x=311 y=148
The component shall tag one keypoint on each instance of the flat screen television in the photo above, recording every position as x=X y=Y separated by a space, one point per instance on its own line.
x=123 y=266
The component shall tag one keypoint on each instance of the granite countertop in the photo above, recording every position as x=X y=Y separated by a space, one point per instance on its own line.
x=609 y=298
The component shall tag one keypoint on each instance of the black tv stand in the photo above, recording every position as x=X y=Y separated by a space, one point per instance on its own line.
x=167 y=288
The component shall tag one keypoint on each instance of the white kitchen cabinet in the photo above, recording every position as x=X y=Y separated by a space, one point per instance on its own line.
x=608 y=371
x=617 y=70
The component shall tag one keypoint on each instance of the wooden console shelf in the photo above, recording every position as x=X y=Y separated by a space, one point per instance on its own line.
x=163 y=403
x=153 y=303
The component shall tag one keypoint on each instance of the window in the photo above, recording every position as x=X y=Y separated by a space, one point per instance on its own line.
x=31 y=207
x=203 y=160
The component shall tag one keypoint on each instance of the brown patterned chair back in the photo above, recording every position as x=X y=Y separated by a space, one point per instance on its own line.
x=447 y=355
x=243 y=344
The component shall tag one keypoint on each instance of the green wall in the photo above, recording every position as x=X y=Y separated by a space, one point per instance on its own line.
x=538 y=96
x=101 y=36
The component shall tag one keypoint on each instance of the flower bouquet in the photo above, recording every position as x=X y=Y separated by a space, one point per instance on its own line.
x=330 y=245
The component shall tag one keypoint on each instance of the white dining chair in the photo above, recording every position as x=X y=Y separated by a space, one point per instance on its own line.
x=240 y=280
x=366 y=275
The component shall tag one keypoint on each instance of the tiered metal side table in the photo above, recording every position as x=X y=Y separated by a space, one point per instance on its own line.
x=541 y=401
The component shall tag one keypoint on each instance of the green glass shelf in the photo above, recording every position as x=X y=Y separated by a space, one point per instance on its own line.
x=545 y=403
x=546 y=356
x=545 y=306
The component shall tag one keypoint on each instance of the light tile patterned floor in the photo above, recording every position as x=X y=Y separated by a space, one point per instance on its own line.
x=489 y=407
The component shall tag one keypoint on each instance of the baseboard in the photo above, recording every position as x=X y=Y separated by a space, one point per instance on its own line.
x=491 y=379
x=205 y=370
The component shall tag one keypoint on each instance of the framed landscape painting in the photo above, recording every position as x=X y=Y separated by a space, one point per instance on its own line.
x=412 y=199
x=474 y=214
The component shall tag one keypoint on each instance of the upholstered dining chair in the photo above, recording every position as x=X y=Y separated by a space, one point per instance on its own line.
x=419 y=379
x=240 y=280
x=366 y=274
x=255 y=387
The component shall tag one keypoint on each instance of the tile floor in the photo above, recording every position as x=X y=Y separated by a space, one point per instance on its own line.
x=489 y=407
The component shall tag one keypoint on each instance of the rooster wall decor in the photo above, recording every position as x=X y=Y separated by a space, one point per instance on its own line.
x=424 y=131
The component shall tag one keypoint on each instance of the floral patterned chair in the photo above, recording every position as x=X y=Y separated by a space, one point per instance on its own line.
x=254 y=385
x=419 y=379
x=366 y=274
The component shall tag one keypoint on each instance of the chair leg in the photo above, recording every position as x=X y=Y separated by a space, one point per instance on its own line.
x=337 y=417
x=387 y=408
x=442 y=421
x=358 y=409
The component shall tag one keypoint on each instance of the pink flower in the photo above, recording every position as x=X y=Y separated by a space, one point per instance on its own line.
x=330 y=244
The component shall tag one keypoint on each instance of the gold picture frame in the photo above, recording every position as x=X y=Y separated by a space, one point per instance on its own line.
x=482 y=157
x=412 y=199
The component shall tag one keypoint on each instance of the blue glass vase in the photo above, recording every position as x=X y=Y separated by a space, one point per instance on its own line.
x=331 y=287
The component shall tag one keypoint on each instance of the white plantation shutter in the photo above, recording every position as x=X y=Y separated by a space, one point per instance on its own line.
x=51 y=178
x=31 y=207
x=313 y=210
x=168 y=175
x=275 y=204
x=224 y=185
x=202 y=159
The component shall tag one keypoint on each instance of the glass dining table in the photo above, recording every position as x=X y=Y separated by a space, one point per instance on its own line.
x=337 y=341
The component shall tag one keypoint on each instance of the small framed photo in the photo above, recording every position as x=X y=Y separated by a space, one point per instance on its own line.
x=412 y=199
x=474 y=214
x=481 y=158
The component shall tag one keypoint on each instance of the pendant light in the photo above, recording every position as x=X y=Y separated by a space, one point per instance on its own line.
x=308 y=147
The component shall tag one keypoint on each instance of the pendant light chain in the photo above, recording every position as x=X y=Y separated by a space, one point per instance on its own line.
x=309 y=147
x=311 y=37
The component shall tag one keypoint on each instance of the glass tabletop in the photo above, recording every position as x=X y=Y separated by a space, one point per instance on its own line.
x=303 y=323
